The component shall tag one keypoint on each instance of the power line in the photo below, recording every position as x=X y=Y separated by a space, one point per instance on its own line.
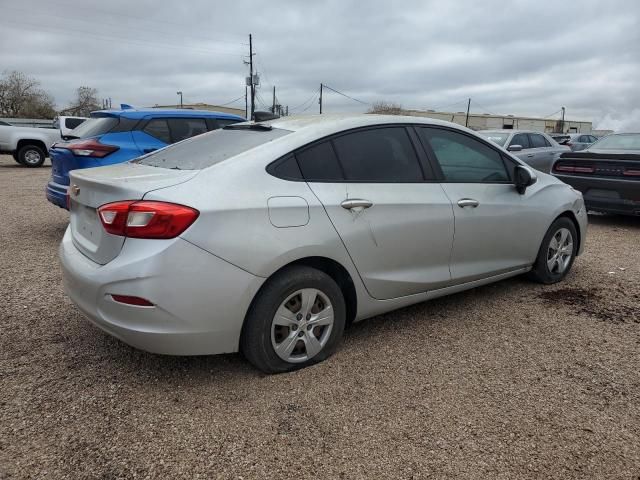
x=241 y=97
x=552 y=114
x=310 y=99
x=110 y=38
x=464 y=100
x=345 y=95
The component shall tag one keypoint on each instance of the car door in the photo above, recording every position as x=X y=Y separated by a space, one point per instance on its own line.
x=394 y=219
x=543 y=152
x=493 y=233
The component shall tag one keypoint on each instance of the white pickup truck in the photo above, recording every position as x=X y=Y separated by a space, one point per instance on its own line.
x=30 y=146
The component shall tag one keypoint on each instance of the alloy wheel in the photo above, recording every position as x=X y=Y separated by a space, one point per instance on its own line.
x=560 y=251
x=32 y=157
x=302 y=325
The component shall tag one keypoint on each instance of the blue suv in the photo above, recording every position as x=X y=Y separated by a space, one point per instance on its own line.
x=115 y=136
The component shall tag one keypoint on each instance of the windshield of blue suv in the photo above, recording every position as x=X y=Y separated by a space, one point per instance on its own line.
x=94 y=127
x=205 y=150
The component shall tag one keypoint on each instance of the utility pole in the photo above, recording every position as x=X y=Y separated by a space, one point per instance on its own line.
x=273 y=107
x=180 y=93
x=466 y=120
x=253 y=87
x=562 y=121
x=320 y=101
x=246 y=103
x=287 y=111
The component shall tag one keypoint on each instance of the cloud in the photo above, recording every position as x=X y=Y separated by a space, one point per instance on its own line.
x=517 y=57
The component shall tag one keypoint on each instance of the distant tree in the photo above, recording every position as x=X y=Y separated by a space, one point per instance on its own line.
x=21 y=96
x=86 y=101
x=386 y=108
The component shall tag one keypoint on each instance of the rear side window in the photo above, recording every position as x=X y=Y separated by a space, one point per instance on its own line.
x=72 y=122
x=521 y=139
x=537 y=141
x=319 y=163
x=464 y=159
x=182 y=128
x=378 y=155
x=223 y=122
x=206 y=150
x=159 y=129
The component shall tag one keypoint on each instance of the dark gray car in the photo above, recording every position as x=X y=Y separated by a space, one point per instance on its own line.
x=537 y=149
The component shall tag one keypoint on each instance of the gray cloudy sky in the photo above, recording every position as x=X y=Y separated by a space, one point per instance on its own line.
x=519 y=57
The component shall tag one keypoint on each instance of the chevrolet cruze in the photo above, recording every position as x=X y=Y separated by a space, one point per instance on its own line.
x=268 y=238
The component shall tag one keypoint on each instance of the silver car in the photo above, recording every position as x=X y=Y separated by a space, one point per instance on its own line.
x=580 y=141
x=270 y=237
x=536 y=149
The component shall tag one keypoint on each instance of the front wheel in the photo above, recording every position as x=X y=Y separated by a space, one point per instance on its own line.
x=557 y=252
x=31 y=156
x=296 y=320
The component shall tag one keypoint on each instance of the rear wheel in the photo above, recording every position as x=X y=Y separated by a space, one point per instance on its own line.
x=557 y=252
x=31 y=156
x=297 y=320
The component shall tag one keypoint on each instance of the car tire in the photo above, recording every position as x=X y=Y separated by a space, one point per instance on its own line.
x=31 y=156
x=276 y=337
x=557 y=252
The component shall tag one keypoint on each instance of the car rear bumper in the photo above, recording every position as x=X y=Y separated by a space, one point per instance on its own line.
x=57 y=194
x=200 y=300
x=607 y=195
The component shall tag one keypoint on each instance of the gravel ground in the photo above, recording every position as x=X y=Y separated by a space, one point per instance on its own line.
x=512 y=380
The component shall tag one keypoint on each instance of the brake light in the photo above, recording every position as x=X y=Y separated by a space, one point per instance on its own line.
x=90 y=148
x=573 y=168
x=632 y=172
x=146 y=219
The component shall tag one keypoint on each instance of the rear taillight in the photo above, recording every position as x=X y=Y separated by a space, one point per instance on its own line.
x=559 y=167
x=631 y=172
x=146 y=219
x=90 y=148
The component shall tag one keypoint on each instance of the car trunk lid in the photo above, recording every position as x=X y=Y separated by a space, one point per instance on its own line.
x=92 y=188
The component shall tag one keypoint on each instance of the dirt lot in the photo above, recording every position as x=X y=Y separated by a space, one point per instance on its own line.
x=513 y=380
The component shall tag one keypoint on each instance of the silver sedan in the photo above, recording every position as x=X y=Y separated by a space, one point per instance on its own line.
x=269 y=238
x=536 y=149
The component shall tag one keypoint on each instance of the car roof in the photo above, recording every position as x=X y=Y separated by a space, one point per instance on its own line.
x=339 y=122
x=138 y=113
x=508 y=130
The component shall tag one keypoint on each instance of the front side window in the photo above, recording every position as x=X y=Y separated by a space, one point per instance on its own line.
x=537 y=141
x=158 y=129
x=464 y=159
x=380 y=155
x=521 y=139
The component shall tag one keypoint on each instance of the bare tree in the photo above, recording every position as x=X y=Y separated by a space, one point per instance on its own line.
x=386 y=108
x=21 y=96
x=86 y=101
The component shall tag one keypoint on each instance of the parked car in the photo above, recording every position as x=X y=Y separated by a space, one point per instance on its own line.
x=29 y=146
x=580 y=141
x=67 y=124
x=607 y=173
x=5 y=124
x=269 y=237
x=115 y=136
x=537 y=149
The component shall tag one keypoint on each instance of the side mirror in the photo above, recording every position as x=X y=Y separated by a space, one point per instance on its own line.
x=524 y=177
x=514 y=148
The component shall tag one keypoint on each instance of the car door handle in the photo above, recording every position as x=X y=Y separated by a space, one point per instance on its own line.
x=530 y=155
x=351 y=203
x=468 y=202
x=149 y=150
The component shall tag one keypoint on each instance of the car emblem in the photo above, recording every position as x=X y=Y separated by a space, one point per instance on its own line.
x=75 y=189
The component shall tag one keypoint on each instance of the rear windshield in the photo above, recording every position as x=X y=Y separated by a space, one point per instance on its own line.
x=618 y=142
x=95 y=126
x=495 y=137
x=210 y=148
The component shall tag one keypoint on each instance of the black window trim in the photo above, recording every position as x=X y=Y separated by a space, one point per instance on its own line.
x=419 y=153
x=506 y=160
